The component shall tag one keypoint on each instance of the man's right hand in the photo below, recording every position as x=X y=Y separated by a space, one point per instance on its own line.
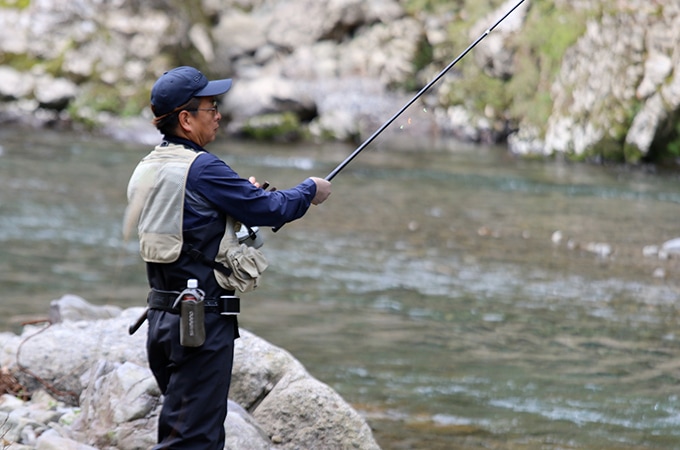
x=323 y=190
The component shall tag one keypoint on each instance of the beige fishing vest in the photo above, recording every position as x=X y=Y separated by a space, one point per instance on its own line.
x=156 y=206
x=156 y=202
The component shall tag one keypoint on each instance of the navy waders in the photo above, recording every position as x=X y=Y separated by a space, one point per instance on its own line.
x=199 y=377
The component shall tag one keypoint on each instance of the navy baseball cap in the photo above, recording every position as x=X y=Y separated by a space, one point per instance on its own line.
x=176 y=87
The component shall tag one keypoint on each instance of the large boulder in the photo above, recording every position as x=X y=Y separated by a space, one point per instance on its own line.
x=91 y=388
x=294 y=408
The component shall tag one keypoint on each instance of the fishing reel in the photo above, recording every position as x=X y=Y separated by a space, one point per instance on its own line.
x=250 y=236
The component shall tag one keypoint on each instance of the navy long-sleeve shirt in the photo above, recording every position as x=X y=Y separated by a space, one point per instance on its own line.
x=212 y=187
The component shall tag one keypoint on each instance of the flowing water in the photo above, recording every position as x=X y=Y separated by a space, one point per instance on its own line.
x=431 y=290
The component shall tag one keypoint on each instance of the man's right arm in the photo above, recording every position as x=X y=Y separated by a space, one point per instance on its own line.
x=239 y=198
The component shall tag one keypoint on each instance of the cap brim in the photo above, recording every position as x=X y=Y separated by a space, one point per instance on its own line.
x=217 y=87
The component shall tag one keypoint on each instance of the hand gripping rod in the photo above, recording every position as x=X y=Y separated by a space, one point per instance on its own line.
x=425 y=88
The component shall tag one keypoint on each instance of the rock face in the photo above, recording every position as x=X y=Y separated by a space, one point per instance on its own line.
x=285 y=56
x=619 y=86
x=91 y=389
x=339 y=69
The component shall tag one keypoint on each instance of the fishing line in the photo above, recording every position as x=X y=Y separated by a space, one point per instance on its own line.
x=425 y=88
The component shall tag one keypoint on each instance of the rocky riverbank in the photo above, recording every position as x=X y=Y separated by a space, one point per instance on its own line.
x=591 y=79
x=81 y=382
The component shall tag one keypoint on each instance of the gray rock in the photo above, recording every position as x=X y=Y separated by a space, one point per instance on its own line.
x=494 y=56
x=51 y=440
x=625 y=58
x=671 y=247
x=14 y=84
x=102 y=394
x=618 y=85
x=72 y=307
x=304 y=413
x=238 y=34
x=290 y=404
x=54 y=93
x=646 y=123
x=243 y=432
x=658 y=67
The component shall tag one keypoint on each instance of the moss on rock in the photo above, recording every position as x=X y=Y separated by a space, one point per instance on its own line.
x=281 y=127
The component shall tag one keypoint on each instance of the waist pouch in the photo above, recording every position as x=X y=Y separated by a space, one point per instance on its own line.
x=245 y=262
x=236 y=266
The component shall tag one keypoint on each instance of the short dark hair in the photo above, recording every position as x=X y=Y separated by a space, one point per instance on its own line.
x=167 y=125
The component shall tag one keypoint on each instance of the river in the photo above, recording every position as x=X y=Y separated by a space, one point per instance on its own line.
x=432 y=290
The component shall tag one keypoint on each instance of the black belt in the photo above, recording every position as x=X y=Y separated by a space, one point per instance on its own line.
x=164 y=300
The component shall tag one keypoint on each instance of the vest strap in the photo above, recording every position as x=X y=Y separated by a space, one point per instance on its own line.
x=197 y=255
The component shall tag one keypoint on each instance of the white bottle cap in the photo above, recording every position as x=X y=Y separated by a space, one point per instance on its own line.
x=192 y=283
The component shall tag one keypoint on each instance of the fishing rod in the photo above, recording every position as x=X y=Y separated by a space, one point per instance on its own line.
x=252 y=233
x=359 y=149
x=425 y=88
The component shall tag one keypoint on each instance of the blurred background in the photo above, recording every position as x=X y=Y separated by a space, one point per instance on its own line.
x=498 y=270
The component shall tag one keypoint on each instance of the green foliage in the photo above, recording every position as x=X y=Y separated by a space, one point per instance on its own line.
x=614 y=147
x=414 y=7
x=666 y=146
x=631 y=154
x=673 y=147
x=529 y=100
x=102 y=97
x=548 y=33
x=25 y=62
x=268 y=127
x=22 y=63
x=607 y=150
x=475 y=10
x=97 y=97
x=477 y=91
x=422 y=58
x=192 y=9
x=19 y=4
x=423 y=55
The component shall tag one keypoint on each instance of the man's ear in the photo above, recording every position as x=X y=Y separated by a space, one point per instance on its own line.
x=184 y=120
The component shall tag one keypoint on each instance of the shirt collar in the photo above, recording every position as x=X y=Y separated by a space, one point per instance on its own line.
x=169 y=139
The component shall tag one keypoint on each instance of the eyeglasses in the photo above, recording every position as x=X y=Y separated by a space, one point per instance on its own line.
x=214 y=109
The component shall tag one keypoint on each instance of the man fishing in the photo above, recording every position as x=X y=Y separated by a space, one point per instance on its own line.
x=184 y=201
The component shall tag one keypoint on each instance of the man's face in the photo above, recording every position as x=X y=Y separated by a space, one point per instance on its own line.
x=204 y=121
